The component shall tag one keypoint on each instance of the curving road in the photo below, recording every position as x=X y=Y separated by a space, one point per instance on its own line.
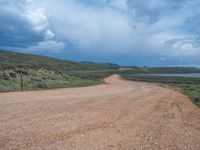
x=116 y=115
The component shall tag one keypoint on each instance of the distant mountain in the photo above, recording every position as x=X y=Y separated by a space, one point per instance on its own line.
x=112 y=65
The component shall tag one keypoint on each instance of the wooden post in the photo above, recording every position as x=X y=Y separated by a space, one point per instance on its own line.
x=22 y=86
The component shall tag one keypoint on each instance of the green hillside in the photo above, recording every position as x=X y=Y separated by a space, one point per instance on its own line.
x=40 y=72
x=13 y=60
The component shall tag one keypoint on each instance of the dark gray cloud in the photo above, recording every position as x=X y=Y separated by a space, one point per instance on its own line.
x=15 y=30
x=151 y=11
x=163 y=31
x=191 y=24
x=26 y=28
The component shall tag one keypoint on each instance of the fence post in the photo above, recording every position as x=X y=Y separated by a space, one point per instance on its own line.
x=21 y=78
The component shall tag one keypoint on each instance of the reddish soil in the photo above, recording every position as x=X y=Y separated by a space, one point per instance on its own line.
x=116 y=115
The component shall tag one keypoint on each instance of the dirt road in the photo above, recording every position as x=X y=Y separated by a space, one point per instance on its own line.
x=117 y=115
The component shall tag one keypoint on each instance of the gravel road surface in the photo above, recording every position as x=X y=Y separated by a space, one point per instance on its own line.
x=117 y=115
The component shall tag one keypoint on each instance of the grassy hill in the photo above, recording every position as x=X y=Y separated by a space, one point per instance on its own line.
x=13 y=60
x=40 y=72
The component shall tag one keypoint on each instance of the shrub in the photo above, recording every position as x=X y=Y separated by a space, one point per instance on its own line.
x=12 y=74
x=5 y=76
x=42 y=85
x=22 y=70
x=196 y=99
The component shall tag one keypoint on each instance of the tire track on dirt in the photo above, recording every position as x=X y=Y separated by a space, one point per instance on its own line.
x=117 y=115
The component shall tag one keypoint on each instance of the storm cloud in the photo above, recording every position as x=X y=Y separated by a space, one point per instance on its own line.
x=129 y=32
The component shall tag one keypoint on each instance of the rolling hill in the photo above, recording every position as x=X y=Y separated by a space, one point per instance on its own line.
x=13 y=60
x=40 y=72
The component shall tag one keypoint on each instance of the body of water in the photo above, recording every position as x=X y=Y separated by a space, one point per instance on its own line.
x=193 y=75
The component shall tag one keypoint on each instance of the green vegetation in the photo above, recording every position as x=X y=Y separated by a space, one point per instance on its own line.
x=36 y=79
x=188 y=86
x=14 y=60
x=41 y=72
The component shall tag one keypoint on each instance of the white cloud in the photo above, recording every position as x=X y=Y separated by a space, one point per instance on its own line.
x=156 y=28
x=49 y=34
x=102 y=29
x=48 y=46
x=119 y=4
x=163 y=59
x=38 y=18
x=184 y=49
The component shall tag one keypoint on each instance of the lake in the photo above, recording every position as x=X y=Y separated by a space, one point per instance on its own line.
x=192 y=75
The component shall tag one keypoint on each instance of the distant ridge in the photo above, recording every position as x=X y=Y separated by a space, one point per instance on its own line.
x=108 y=64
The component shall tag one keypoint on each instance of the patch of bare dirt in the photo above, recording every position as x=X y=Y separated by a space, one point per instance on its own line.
x=117 y=115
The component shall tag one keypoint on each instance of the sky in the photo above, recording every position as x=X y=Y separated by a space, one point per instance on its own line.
x=125 y=32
